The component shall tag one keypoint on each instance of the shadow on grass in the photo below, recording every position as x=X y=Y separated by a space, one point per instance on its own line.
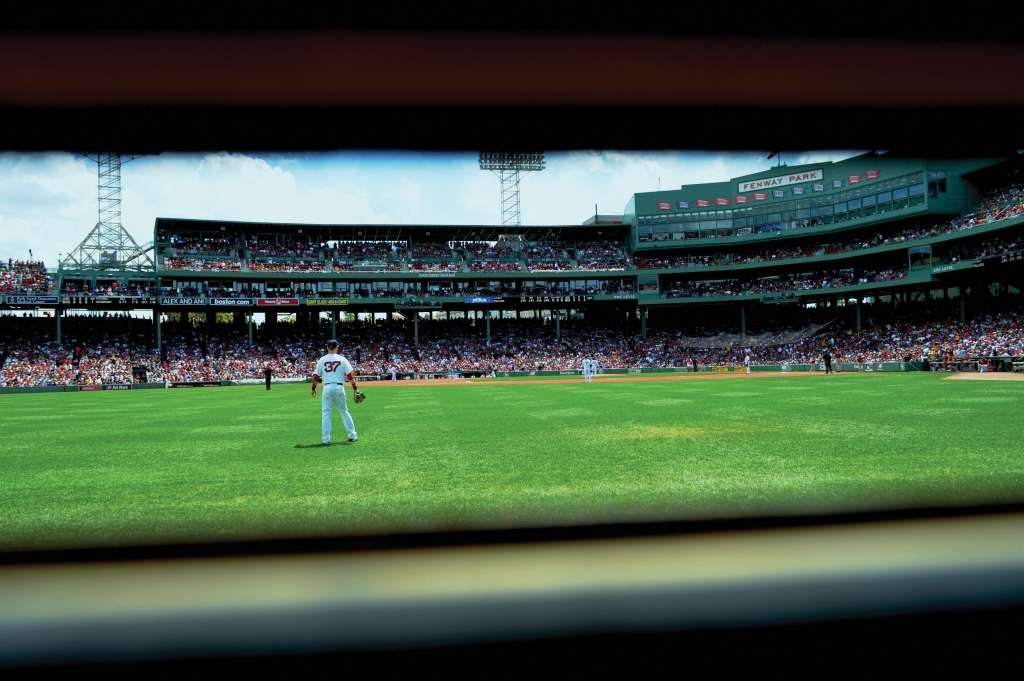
x=321 y=444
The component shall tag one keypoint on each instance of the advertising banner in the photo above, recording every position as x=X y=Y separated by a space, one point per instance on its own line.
x=872 y=174
x=664 y=205
x=683 y=204
x=778 y=193
x=181 y=302
x=107 y=386
x=742 y=199
x=780 y=181
x=721 y=202
x=853 y=179
x=326 y=302
x=817 y=187
x=277 y=302
x=799 y=190
x=232 y=302
x=195 y=384
x=836 y=184
x=32 y=300
x=759 y=196
x=481 y=300
x=549 y=299
x=703 y=203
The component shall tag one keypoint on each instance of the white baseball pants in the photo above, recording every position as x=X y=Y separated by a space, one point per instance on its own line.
x=334 y=396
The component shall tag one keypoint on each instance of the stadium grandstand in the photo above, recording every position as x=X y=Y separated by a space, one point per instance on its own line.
x=875 y=259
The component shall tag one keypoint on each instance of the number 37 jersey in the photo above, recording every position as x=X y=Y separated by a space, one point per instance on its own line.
x=333 y=368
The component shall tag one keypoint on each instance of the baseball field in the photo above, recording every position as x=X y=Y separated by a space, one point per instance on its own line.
x=111 y=468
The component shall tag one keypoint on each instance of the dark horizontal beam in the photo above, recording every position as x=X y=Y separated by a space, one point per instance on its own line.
x=926 y=132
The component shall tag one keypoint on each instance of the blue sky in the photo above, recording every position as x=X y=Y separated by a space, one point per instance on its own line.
x=48 y=200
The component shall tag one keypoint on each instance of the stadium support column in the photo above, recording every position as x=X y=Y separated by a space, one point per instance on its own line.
x=858 y=314
x=249 y=317
x=643 y=322
x=488 y=313
x=962 y=315
x=58 y=313
x=743 y=320
x=334 y=323
x=558 y=326
x=416 y=329
x=157 y=315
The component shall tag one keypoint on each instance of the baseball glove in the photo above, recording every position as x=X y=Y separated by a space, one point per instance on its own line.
x=360 y=397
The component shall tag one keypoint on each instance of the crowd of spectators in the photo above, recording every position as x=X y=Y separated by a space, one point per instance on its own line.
x=288 y=248
x=172 y=262
x=203 y=246
x=420 y=266
x=274 y=265
x=486 y=251
x=103 y=349
x=493 y=266
x=108 y=288
x=1002 y=204
x=25 y=276
x=373 y=251
x=819 y=280
x=548 y=265
x=537 y=253
x=438 y=251
x=622 y=262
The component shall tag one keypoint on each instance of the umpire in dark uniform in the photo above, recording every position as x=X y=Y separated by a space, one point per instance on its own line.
x=268 y=374
x=825 y=357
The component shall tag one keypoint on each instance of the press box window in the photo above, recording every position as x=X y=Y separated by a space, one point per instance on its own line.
x=936 y=183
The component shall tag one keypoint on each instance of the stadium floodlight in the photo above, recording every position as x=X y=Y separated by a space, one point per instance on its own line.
x=510 y=166
x=109 y=246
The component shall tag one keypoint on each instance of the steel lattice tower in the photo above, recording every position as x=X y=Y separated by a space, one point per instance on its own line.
x=510 y=166
x=109 y=246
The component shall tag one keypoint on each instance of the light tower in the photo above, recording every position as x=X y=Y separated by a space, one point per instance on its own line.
x=510 y=166
x=109 y=246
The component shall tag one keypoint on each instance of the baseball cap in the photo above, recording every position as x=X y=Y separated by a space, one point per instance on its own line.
x=332 y=343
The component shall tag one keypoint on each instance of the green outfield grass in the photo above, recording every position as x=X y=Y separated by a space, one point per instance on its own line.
x=185 y=465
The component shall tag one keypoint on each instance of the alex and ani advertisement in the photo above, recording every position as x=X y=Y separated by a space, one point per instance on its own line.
x=181 y=302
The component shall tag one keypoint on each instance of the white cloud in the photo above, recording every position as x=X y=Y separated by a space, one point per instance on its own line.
x=48 y=200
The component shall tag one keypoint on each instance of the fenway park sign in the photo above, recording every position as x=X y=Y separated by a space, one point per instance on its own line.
x=779 y=181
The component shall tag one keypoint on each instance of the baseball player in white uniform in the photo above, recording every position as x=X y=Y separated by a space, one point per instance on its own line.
x=333 y=370
x=588 y=370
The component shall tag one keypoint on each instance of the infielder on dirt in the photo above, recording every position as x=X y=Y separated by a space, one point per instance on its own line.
x=333 y=370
